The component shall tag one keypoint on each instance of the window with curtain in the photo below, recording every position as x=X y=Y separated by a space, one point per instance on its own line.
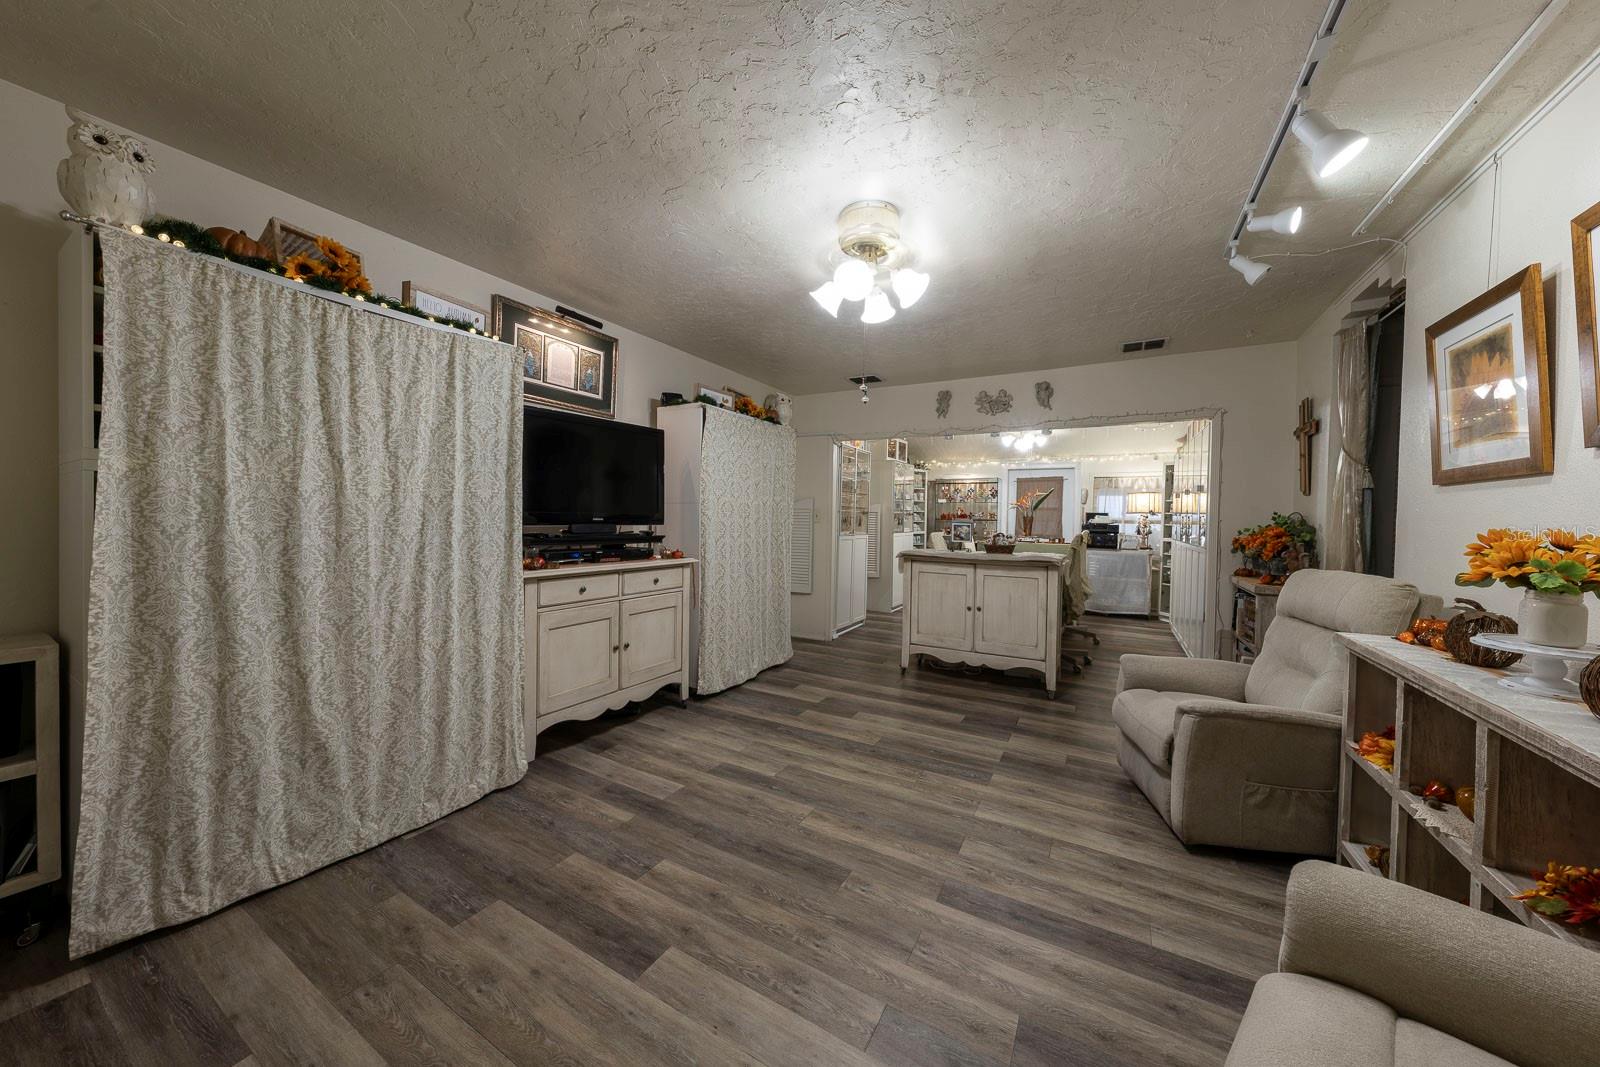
x=1110 y=494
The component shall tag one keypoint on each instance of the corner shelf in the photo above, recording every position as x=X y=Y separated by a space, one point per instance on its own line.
x=30 y=777
x=1533 y=761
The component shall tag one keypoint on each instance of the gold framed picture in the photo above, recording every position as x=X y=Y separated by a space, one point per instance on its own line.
x=1585 y=272
x=1489 y=385
x=565 y=363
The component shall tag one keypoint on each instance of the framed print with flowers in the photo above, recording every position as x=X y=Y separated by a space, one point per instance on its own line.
x=1489 y=385
x=1585 y=272
x=565 y=363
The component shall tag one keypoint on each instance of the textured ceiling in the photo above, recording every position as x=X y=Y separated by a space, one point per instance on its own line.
x=1068 y=170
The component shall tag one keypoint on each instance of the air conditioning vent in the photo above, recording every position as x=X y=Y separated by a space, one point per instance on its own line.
x=865 y=379
x=1144 y=346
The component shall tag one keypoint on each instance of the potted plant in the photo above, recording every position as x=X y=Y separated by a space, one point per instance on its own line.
x=1554 y=570
x=1026 y=505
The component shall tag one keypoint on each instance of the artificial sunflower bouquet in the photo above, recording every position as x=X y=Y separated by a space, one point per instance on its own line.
x=1556 y=561
x=337 y=268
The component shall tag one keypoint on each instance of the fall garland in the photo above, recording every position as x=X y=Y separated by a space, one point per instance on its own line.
x=338 y=272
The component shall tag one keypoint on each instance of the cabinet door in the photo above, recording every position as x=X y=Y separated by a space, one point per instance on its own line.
x=578 y=653
x=1011 y=611
x=842 y=580
x=652 y=628
x=858 y=581
x=941 y=605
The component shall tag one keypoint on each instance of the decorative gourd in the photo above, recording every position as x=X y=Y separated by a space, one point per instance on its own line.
x=1589 y=685
x=1474 y=620
x=238 y=243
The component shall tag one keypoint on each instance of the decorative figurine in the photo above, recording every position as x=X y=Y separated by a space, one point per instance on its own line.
x=105 y=177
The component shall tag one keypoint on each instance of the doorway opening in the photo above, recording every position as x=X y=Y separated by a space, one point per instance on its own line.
x=1380 y=513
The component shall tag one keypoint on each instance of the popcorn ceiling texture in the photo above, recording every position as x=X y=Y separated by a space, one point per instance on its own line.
x=1068 y=169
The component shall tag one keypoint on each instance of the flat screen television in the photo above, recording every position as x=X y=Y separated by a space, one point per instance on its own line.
x=578 y=470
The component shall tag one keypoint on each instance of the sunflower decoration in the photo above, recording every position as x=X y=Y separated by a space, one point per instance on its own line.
x=299 y=268
x=1554 y=561
x=343 y=266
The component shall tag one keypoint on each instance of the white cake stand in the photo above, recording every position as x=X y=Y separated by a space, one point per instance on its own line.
x=1547 y=662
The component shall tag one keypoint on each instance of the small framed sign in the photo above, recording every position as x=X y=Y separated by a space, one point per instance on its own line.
x=441 y=306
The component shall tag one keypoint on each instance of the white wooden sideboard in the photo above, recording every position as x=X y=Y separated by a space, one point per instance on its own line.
x=1001 y=611
x=602 y=635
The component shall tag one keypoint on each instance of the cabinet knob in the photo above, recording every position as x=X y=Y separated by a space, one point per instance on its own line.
x=980 y=607
x=614 y=648
x=582 y=589
x=627 y=644
x=969 y=607
x=655 y=581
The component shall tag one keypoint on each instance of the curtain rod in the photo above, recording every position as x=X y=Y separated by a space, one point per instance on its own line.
x=278 y=279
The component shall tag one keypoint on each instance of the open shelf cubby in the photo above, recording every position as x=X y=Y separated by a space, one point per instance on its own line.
x=1533 y=761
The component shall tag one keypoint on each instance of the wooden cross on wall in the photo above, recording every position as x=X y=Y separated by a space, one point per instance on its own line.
x=1304 y=432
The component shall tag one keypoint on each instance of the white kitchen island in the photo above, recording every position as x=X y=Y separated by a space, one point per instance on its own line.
x=990 y=610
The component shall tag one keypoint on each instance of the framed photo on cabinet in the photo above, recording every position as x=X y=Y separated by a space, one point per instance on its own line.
x=1585 y=272
x=565 y=363
x=1489 y=385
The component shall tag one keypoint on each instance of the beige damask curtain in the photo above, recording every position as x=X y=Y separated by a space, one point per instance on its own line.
x=1351 y=478
x=304 y=612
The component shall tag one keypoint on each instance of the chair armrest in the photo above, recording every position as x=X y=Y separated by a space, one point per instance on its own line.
x=1237 y=709
x=1179 y=674
x=1522 y=995
x=1255 y=776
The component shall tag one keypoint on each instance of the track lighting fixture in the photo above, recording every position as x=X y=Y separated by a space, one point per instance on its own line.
x=1251 y=269
x=1286 y=221
x=1331 y=147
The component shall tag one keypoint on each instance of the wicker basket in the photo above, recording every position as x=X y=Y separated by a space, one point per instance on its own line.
x=1589 y=685
x=999 y=550
x=1470 y=622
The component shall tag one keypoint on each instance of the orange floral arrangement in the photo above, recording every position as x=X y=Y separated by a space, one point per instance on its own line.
x=1556 y=561
x=1378 y=749
x=744 y=405
x=1566 y=894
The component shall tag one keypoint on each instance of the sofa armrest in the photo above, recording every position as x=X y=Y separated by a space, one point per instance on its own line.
x=1255 y=776
x=1179 y=674
x=1523 y=995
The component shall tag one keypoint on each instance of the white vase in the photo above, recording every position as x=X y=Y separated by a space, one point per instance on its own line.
x=1560 y=620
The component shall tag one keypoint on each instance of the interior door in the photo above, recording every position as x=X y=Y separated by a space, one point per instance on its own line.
x=1011 y=612
x=578 y=655
x=941 y=605
x=652 y=630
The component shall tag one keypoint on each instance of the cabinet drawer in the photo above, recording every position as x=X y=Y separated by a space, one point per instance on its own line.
x=652 y=581
x=577 y=589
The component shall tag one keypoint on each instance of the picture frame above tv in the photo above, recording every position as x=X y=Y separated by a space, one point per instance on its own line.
x=566 y=364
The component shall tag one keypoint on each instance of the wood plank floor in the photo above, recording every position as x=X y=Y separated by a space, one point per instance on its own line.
x=830 y=865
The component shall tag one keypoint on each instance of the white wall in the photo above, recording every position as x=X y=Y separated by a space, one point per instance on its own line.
x=190 y=188
x=1253 y=387
x=1547 y=176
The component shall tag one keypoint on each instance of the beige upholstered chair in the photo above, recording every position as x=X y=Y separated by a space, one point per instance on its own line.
x=1373 y=973
x=1248 y=755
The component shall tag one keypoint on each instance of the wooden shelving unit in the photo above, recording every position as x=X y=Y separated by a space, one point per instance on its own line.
x=1533 y=761
x=30 y=763
x=979 y=498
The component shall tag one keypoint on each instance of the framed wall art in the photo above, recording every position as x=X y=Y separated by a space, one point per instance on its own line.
x=444 y=307
x=1585 y=272
x=1489 y=385
x=565 y=363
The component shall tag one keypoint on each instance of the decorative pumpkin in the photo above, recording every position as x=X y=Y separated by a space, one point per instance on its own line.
x=1474 y=620
x=1467 y=800
x=1589 y=685
x=238 y=243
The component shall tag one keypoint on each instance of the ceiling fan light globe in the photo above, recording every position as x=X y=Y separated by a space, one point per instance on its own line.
x=877 y=309
x=909 y=285
x=828 y=297
x=854 y=279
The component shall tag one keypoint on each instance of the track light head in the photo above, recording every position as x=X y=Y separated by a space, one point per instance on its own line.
x=1331 y=147
x=1286 y=221
x=1250 y=268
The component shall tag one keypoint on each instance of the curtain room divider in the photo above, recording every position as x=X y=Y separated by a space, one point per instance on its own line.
x=305 y=618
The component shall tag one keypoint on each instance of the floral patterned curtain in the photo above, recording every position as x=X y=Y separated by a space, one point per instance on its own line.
x=305 y=612
x=1351 y=478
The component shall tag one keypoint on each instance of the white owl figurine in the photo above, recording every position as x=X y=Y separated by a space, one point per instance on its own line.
x=107 y=175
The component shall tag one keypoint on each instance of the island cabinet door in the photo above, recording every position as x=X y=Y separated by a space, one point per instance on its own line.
x=1011 y=608
x=941 y=605
x=579 y=652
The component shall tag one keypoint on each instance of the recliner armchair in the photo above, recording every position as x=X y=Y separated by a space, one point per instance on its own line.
x=1247 y=755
